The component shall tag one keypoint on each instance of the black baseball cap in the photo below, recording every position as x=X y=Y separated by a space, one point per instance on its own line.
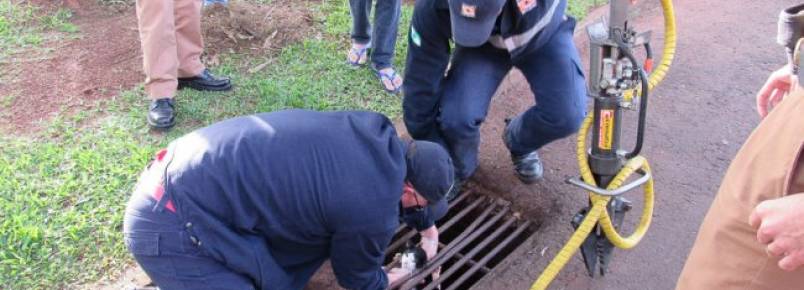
x=473 y=20
x=430 y=171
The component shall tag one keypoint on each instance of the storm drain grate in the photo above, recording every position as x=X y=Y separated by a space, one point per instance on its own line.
x=477 y=234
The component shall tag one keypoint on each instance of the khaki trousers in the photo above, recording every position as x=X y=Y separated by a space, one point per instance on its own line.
x=170 y=34
x=770 y=165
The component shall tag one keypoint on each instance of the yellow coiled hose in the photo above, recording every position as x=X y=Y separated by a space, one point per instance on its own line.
x=598 y=214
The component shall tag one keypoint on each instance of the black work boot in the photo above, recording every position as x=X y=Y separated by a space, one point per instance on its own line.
x=528 y=166
x=206 y=81
x=162 y=114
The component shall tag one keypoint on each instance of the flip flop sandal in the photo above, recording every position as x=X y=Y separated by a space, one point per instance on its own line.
x=390 y=77
x=360 y=56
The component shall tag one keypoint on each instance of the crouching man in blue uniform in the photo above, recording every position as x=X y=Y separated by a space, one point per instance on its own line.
x=261 y=201
x=491 y=37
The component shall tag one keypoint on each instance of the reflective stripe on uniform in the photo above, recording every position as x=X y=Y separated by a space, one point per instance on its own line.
x=519 y=40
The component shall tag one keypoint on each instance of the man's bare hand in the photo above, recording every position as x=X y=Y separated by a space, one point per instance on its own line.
x=395 y=274
x=776 y=87
x=430 y=242
x=780 y=226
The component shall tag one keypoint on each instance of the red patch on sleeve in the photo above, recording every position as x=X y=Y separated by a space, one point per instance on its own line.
x=161 y=154
x=159 y=192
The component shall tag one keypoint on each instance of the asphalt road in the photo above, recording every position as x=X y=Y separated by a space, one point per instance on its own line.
x=698 y=119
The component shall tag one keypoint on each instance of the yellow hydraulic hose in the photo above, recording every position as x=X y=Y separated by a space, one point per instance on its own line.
x=598 y=213
x=669 y=51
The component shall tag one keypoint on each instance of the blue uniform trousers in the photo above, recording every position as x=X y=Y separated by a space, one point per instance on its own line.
x=555 y=77
x=168 y=250
x=171 y=249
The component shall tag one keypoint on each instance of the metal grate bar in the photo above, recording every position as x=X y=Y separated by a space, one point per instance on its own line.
x=490 y=255
x=472 y=253
x=443 y=228
x=466 y=237
x=471 y=261
x=479 y=232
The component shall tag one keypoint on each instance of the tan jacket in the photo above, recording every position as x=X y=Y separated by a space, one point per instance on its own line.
x=770 y=165
x=726 y=254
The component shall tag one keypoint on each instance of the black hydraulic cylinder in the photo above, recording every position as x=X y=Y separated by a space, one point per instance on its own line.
x=603 y=159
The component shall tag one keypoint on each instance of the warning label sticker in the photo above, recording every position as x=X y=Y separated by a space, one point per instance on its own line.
x=606 y=129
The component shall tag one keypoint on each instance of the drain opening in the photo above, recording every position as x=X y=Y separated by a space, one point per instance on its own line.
x=477 y=234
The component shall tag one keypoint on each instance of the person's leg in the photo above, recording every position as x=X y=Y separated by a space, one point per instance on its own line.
x=172 y=267
x=361 y=28
x=558 y=84
x=249 y=254
x=160 y=60
x=361 y=32
x=166 y=248
x=386 y=23
x=471 y=83
x=192 y=73
x=190 y=43
x=158 y=39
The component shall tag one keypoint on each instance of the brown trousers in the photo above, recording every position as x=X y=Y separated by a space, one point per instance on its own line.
x=770 y=165
x=170 y=34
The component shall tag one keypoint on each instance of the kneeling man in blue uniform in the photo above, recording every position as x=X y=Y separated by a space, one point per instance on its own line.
x=261 y=201
x=448 y=105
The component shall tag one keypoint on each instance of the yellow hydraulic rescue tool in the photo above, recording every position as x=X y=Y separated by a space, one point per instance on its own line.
x=617 y=81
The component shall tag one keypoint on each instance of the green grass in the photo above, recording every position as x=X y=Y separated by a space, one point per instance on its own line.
x=62 y=195
x=59 y=21
x=63 y=191
x=579 y=8
x=116 y=2
x=6 y=101
x=312 y=74
x=25 y=27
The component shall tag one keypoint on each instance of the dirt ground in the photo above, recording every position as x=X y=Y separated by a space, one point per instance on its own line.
x=106 y=59
x=253 y=29
x=698 y=119
x=77 y=72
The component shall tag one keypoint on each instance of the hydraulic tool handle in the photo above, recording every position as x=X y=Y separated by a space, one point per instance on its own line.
x=625 y=49
x=577 y=181
x=643 y=114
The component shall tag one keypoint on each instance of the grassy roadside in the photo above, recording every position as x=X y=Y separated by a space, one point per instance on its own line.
x=579 y=8
x=61 y=199
x=27 y=33
x=62 y=191
x=25 y=27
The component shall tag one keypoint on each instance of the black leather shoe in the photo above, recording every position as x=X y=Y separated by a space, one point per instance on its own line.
x=162 y=114
x=528 y=166
x=206 y=81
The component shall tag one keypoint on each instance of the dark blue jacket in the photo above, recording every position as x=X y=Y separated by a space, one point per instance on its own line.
x=429 y=50
x=310 y=185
